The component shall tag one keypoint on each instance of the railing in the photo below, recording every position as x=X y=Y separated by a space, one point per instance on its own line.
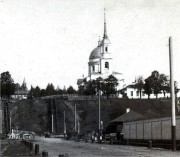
x=79 y=97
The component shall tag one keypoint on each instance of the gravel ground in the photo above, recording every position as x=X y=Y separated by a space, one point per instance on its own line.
x=56 y=147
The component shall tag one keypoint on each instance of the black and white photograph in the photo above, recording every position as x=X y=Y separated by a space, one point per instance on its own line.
x=90 y=78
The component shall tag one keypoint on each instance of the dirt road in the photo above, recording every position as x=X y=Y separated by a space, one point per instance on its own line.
x=56 y=147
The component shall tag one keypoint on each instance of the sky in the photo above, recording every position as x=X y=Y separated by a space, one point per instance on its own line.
x=49 y=41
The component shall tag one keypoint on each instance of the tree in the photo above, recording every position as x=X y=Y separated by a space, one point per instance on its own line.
x=156 y=82
x=164 y=83
x=139 y=85
x=50 y=89
x=43 y=92
x=31 y=93
x=59 y=91
x=71 y=90
x=91 y=87
x=37 y=92
x=109 y=85
x=99 y=84
x=17 y=87
x=176 y=88
x=148 y=87
x=7 y=85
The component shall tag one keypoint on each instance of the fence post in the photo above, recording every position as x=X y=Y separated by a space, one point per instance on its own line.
x=36 y=149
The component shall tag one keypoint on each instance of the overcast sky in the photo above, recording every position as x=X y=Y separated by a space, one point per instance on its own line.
x=49 y=41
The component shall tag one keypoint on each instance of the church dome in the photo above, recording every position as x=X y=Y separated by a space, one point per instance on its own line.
x=96 y=53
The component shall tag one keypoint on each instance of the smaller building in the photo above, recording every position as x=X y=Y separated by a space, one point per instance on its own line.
x=20 y=95
x=21 y=92
x=117 y=124
x=131 y=92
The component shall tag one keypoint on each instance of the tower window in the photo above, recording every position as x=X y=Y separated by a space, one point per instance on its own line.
x=93 y=68
x=106 y=49
x=107 y=65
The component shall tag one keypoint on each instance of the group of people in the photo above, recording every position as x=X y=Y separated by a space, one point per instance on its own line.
x=94 y=137
x=119 y=137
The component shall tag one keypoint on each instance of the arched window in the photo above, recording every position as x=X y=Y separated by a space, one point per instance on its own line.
x=107 y=65
x=106 y=49
x=93 y=68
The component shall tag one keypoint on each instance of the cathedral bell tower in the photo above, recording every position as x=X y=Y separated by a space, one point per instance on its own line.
x=100 y=60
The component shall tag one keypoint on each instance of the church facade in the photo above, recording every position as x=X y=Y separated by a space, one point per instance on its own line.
x=100 y=60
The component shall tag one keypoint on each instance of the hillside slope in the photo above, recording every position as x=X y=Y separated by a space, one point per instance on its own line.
x=34 y=115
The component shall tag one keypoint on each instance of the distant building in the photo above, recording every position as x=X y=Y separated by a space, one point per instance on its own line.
x=132 y=93
x=100 y=61
x=21 y=92
x=117 y=123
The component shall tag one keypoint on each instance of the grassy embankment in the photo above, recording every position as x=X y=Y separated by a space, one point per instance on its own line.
x=33 y=114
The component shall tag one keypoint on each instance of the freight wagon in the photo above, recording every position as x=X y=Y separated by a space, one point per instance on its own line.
x=151 y=129
x=155 y=132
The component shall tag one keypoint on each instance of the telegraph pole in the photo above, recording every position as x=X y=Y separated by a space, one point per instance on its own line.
x=64 y=123
x=75 y=119
x=173 y=119
x=52 y=124
x=10 y=123
x=99 y=101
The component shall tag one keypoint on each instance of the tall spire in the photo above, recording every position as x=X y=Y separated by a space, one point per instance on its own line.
x=105 y=30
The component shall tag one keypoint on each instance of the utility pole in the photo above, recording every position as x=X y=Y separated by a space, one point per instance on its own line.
x=99 y=101
x=52 y=124
x=10 y=123
x=64 y=123
x=173 y=119
x=75 y=118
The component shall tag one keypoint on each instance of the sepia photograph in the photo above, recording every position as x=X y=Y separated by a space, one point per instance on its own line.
x=90 y=78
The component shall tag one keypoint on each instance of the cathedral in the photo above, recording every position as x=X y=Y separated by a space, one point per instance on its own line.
x=100 y=60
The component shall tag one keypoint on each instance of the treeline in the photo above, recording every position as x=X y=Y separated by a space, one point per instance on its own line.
x=107 y=86
x=9 y=88
x=156 y=83
x=50 y=90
